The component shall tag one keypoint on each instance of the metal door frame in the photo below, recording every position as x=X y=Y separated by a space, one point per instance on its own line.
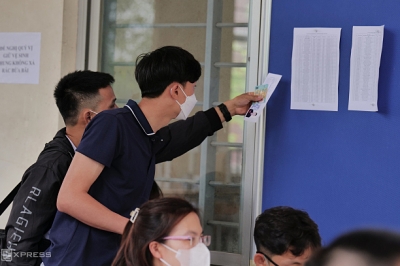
x=88 y=56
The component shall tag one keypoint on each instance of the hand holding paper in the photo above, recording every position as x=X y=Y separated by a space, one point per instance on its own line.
x=241 y=103
x=265 y=90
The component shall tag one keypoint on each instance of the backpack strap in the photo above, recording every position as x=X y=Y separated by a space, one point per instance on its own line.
x=10 y=197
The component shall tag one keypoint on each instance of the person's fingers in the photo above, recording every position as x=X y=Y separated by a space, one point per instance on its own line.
x=245 y=99
x=254 y=97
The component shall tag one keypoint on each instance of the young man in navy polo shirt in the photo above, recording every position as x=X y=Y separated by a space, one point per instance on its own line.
x=113 y=169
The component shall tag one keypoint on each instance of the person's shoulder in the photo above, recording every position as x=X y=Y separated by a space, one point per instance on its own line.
x=52 y=160
x=57 y=152
x=58 y=146
x=110 y=115
x=49 y=164
x=115 y=112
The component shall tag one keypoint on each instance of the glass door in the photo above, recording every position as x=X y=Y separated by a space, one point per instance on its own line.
x=214 y=176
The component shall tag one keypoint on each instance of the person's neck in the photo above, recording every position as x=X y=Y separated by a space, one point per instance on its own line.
x=155 y=112
x=75 y=133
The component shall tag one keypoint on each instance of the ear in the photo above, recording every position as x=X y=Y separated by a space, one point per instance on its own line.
x=259 y=259
x=174 y=89
x=154 y=248
x=87 y=116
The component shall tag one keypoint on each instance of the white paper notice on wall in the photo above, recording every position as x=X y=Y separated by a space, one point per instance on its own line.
x=20 y=57
x=315 y=69
x=365 y=60
x=265 y=90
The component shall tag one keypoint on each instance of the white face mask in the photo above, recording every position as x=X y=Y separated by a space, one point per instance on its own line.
x=187 y=106
x=196 y=256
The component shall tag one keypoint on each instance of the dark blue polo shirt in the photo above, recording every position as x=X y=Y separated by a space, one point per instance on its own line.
x=123 y=141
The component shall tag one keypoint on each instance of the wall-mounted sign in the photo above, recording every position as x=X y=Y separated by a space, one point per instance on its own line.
x=20 y=57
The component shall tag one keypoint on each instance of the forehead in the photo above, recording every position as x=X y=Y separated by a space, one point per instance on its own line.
x=190 y=224
x=287 y=258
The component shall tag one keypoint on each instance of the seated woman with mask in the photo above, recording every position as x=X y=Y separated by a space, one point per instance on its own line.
x=165 y=231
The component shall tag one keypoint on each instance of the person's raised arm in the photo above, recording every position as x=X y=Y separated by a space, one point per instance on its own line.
x=74 y=200
x=182 y=136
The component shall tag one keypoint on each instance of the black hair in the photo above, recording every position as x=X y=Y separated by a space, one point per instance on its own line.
x=78 y=89
x=375 y=247
x=158 y=69
x=281 y=229
x=156 y=191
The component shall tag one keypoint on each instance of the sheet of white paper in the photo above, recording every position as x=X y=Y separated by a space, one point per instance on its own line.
x=266 y=90
x=315 y=69
x=20 y=57
x=365 y=60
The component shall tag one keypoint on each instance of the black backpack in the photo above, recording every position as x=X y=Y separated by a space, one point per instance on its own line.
x=3 y=206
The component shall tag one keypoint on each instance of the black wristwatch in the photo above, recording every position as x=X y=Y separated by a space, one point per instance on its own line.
x=225 y=112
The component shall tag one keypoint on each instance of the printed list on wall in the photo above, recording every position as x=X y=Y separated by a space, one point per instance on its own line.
x=315 y=69
x=365 y=60
x=20 y=57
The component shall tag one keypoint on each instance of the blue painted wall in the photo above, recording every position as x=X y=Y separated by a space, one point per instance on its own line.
x=342 y=167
